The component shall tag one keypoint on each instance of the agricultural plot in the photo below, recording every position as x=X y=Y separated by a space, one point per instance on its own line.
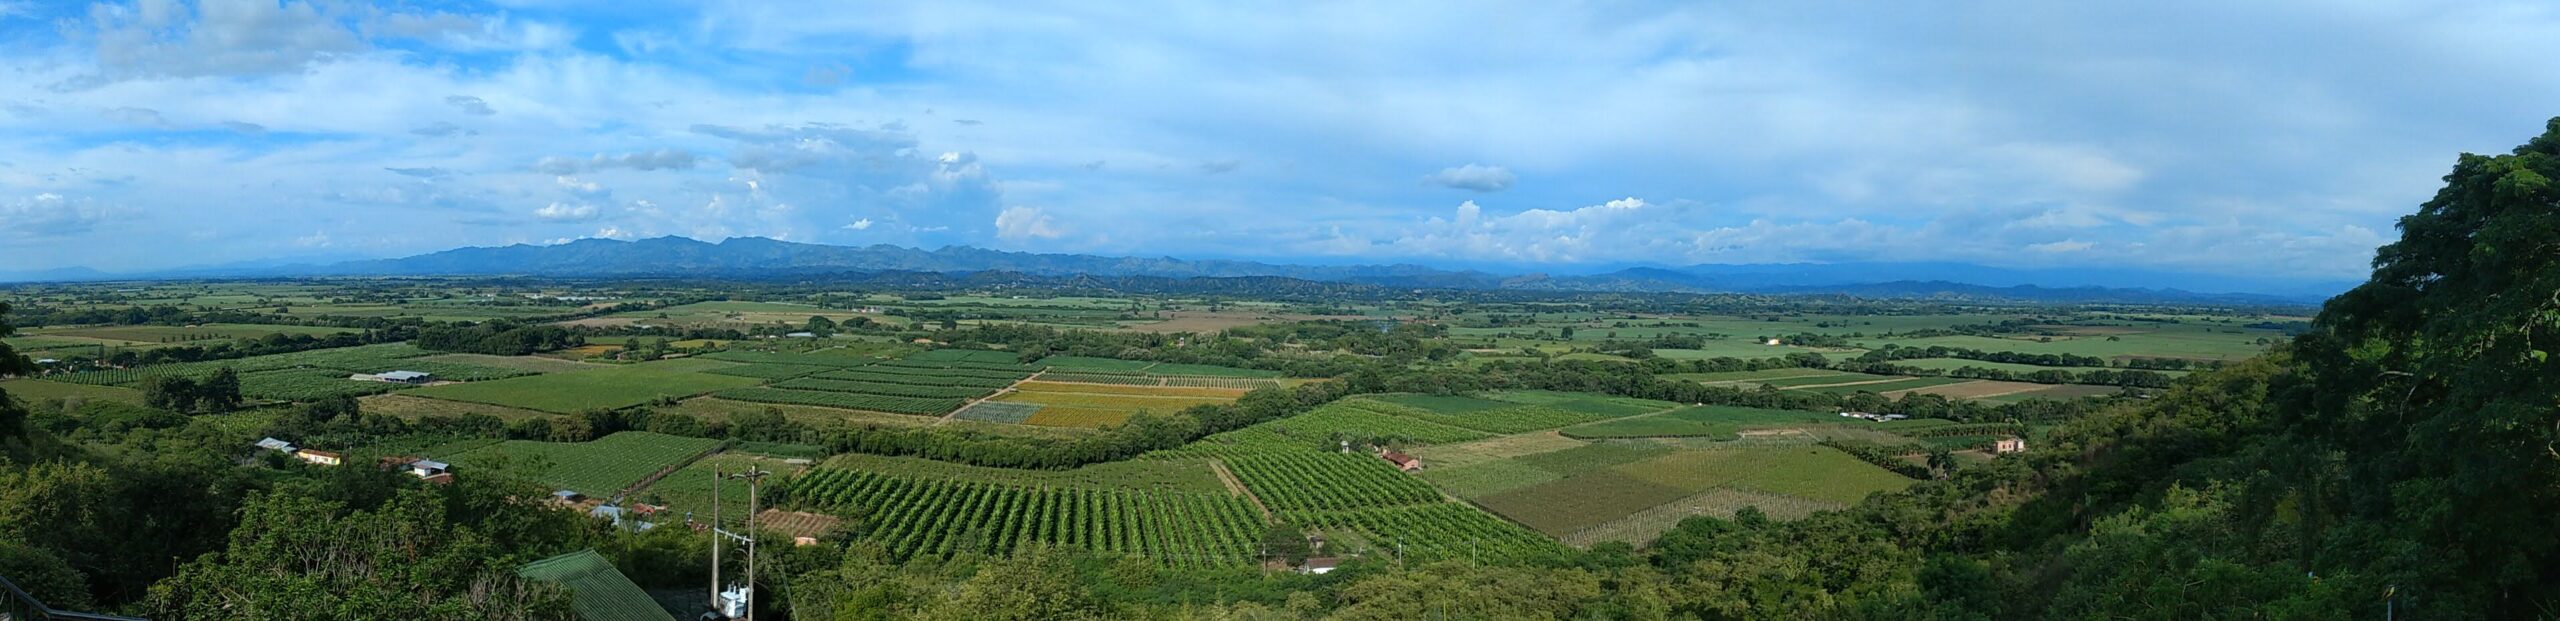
x=1318 y=429
x=717 y=409
x=846 y=400
x=533 y=364
x=32 y=390
x=1606 y=406
x=1889 y=385
x=859 y=375
x=1172 y=475
x=689 y=490
x=1723 y=423
x=1591 y=500
x=967 y=355
x=770 y=371
x=998 y=412
x=611 y=387
x=1441 y=530
x=879 y=388
x=413 y=408
x=307 y=385
x=1081 y=405
x=2071 y=391
x=793 y=358
x=1296 y=483
x=1950 y=364
x=1977 y=389
x=600 y=468
x=919 y=517
x=1442 y=404
x=1508 y=418
x=1090 y=364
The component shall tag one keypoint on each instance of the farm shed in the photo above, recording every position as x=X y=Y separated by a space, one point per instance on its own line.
x=322 y=458
x=597 y=591
x=429 y=467
x=1407 y=463
x=2006 y=446
x=273 y=444
x=1320 y=565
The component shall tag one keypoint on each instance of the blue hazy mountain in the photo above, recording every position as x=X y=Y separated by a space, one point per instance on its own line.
x=756 y=257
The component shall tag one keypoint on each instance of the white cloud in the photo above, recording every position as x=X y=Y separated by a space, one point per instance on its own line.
x=317 y=239
x=2061 y=247
x=1020 y=223
x=865 y=224
x=655 y=159
x=52 y=215
x=566 y=212
x=1475 y=177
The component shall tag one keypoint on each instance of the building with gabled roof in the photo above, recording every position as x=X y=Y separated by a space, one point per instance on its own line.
x=597 y=591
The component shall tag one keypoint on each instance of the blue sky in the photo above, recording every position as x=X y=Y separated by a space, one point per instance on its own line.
x=2263 y=138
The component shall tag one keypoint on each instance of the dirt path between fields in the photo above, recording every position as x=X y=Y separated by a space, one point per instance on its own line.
x=1233 y=485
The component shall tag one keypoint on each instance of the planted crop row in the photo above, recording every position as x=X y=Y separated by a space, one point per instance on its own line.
x=599 y=468
x=307 y=385
x=1296 y=482
x=1441 y=531
x=877 y=388
x=847 y=400
x=1322 y=429
x=777 y=357
x=1095 y=378
x=968 y=355
x=925 y=517
x=769 y=370
x=899 y=369
x=916 y=380
x=1222 y=382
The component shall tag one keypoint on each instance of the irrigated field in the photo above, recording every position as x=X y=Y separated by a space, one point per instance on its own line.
x=915 y=516
x=1588 y=494
x=609 y=387
x=600 y=468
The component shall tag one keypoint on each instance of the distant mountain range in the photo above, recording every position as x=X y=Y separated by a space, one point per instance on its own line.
x=756 y=257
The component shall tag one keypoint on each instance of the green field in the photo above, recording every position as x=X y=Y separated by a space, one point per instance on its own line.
x=32 y=390
x=610 y=387
x=599 y=468
x=1722 y=422
x=1593 y=486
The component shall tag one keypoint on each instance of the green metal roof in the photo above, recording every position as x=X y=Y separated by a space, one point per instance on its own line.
x=597 y=590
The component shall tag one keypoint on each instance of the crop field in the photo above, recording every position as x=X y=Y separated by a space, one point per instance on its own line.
x=1316 y=429
x=1605 y=406
x=1834 y=377
x=1295 y=483
x=536 y=364
x=1169 y=475
x=998 y=412
x=878 y=388
x=846 y=400
x=1949 y=364
x=600 y=468
x=1083 y=405
x=32 y=390
x=1722 y=423
x=921 y=517
x=183 y=334
x=1645 y=525
x=1888 y=385
x=1977 y=389
x=1443 y=530
x=351 y=360
x=717 y=409
x=967 y=355
x=1590 y=498
x=690 y=488
x=1755 y=376
x=610 y=387
x=1084 y=363
x=795 y=358
x=2067 y=391
x=861 y=375
x=307 y=385
x=770 y=371
x=1443 y=404
x=413 y=408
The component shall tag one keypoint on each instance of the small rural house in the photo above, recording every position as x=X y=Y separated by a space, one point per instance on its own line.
x=1407 y=463
x=319 y=457
x=567 y=497
x=48 y=361
x=1320 y=565
x=403 y=377
x=276 y=445
x=2006 y=446
x=425 y=468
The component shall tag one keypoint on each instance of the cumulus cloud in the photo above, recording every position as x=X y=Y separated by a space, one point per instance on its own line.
x=53 y=215
x=470 y=105
x=860 y=225
x=567 y=212
x=1477 y=177
x=658 y=159
x=174 y=39
x=1021 y=223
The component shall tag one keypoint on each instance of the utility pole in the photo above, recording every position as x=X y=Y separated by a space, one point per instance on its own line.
x=715 y=539
x=753 y=478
